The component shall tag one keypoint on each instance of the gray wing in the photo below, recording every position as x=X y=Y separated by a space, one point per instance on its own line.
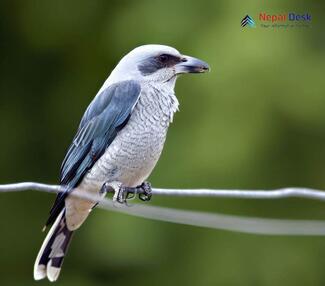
x=105 y=116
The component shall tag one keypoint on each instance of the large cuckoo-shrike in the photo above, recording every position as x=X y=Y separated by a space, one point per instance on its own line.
x=118 y=142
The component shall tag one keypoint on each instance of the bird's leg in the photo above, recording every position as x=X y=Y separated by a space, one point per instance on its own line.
x=145 y=193
x=106 y=187
x=121 y=194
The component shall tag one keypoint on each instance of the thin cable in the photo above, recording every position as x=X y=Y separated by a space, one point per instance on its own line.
x=251 y=225
x=239 y=194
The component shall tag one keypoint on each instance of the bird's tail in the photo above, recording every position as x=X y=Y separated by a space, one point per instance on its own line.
x=51 y=255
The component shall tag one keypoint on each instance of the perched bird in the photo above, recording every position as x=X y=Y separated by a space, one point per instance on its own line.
x=118 y=142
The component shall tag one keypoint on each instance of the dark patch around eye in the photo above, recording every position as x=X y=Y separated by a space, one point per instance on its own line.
x=153 y=64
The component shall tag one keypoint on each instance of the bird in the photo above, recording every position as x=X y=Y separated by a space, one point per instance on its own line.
x=118 y=142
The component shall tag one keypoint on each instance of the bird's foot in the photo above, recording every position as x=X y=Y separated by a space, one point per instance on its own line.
x=145 y=193
x=122 y=194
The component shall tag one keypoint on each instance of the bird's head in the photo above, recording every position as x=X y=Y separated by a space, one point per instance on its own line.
x=158 y=64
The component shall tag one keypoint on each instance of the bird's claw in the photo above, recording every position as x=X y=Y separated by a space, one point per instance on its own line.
x=146 y=193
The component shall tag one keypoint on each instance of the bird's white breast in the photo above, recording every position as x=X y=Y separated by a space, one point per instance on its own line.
x=136 y=149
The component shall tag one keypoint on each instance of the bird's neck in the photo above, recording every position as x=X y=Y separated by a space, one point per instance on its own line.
x=164 y=98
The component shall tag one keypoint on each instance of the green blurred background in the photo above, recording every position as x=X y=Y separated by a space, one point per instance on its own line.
x=256 y=121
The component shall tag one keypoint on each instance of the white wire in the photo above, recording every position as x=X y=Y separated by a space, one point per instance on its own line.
x=252 y=225
x=239 y=194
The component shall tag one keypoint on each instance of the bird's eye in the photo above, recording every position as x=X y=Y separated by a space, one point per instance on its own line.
x=163 y=58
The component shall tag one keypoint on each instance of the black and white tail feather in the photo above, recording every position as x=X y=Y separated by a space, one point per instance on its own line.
x=51 y=255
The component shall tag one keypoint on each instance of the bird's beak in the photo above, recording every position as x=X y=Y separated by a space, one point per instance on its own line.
x=191 y=65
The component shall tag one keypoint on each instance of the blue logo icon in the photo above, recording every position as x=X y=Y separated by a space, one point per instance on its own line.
x=247 y=21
